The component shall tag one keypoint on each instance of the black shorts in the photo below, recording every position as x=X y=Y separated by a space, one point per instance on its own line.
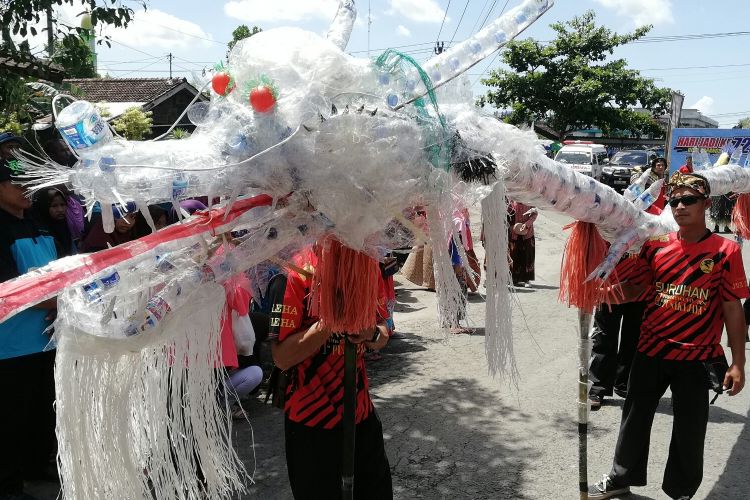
x=313 y=459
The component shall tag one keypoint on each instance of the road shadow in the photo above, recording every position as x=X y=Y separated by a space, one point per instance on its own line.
x=444 y=443
x=541 y=286
x=736 y=469
x=716 y=414
x=406 y=302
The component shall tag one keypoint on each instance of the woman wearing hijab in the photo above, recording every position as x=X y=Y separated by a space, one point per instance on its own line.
x=52 y=210
x=97 y=239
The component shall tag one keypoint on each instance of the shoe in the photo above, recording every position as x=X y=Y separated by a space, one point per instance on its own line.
x=595 y=401
x=606 y=489
x=622 y=393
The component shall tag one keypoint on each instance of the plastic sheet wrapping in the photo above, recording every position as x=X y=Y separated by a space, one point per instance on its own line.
x=342 y=25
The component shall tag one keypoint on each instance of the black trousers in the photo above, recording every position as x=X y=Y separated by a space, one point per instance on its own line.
x=649 y=379
x=27 y=418
x=610 y=365
x=313 y=459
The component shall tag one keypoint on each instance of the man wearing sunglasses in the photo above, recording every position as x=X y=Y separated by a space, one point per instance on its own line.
x=695 y=280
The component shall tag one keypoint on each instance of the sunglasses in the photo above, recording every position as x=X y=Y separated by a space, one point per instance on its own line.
x=685 y=200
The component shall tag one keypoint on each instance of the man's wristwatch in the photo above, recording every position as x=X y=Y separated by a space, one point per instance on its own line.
x=375 y=335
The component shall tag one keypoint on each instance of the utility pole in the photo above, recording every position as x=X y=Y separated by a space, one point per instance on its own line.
x=169 y=56
x=50 y=35
x=369 y=24
x=439 y=47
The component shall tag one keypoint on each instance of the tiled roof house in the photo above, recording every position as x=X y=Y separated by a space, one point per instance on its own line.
x=166 y=98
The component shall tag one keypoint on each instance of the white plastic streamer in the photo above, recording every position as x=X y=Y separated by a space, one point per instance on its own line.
x=498 y=344
x=451 y=301
x=144 y=418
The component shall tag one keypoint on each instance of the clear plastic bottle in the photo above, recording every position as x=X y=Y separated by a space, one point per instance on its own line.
x=648 y=198
x=636 y=189
x=82 y=127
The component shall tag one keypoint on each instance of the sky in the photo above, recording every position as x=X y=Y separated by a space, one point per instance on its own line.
x=711 y=71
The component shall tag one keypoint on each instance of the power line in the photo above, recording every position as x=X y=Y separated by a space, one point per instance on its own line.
x=459 y=22
x=476 y=23
x=492 y=7
x=392 y=47
x=496 y=53
x=185 y=33
x=445 y=15
x=696 y=67
x=700 y=36
x=140 y=69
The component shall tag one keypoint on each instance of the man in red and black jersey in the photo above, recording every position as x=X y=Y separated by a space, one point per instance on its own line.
x=615 y=324
x=695 y=281
x=313 y=357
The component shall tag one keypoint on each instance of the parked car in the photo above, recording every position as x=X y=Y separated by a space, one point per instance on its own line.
x=586 y=158
x=620 y=169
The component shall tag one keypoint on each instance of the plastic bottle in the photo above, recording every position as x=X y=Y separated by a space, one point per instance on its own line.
x=94 y=289
x=82 y=127
x=648 y=198
x=636 y=189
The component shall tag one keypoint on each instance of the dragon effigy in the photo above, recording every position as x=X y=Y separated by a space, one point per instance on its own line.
x=300 y=142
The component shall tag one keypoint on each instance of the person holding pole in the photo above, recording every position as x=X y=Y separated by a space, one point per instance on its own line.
x=311 y=356
x=696 y=280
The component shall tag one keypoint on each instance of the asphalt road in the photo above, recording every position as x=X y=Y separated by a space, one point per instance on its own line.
x=453 y=432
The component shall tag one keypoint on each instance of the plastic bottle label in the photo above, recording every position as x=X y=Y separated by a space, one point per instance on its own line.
x=81 y=135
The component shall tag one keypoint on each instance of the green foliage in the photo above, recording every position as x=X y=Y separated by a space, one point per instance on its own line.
x=10 y=123
x=18 y=17
x=743 y=123
x=572 y=84
x=102 y=109
x=179 y=133
x=74 y=55
x=133 y=124
x=240 y=33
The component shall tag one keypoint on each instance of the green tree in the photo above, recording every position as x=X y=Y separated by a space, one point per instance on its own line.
x=21 y=18
x=74 y=55
x=134 y=124
x=743 y=123
x=240 y=33
x=10 y=123
x=571 y=83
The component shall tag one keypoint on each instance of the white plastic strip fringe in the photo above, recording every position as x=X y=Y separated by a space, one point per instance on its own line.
x=144 y=417
x=498 y=344
x=451 y=300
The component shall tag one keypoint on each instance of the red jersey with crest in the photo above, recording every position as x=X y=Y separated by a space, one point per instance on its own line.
x=315 y=393
x=688 y=284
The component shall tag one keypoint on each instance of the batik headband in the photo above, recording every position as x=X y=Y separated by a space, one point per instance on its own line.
x=692 y=181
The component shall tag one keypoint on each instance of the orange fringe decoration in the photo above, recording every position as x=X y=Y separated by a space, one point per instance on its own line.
x=345 y=288
x=741 y=216
x=584 y=251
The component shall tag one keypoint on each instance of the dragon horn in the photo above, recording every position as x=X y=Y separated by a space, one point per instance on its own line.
x=342 y=25
x=456 y=60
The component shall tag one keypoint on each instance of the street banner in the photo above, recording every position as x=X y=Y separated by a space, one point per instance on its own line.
x=689 y=140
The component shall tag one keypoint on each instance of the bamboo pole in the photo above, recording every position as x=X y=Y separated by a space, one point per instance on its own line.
x=584 y=324
x=348 y=417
